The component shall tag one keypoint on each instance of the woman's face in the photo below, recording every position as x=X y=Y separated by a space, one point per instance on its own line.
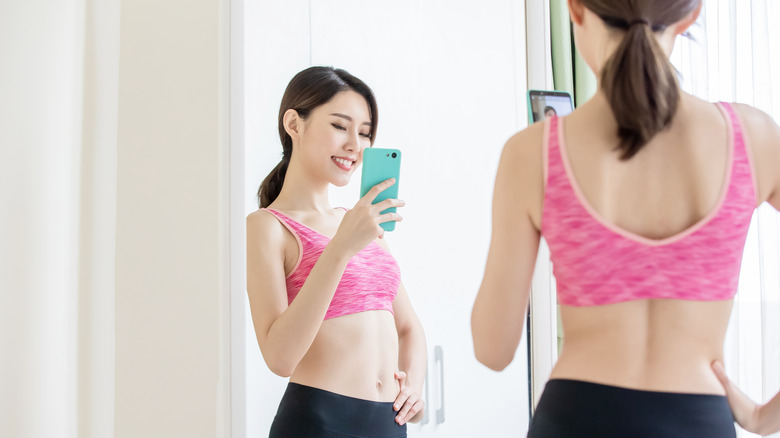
x=334 y=137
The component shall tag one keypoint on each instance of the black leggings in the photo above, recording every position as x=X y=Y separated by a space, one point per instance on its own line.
x=576 y=409
x=307 y=412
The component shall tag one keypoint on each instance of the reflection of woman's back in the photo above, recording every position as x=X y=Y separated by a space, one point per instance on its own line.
x=644 y=195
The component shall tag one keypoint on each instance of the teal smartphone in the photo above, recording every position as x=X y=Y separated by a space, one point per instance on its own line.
x=379 y=165
x=543 y=104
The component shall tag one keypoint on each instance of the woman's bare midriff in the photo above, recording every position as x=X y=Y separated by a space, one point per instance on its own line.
x=653 y=345
x=354 y=355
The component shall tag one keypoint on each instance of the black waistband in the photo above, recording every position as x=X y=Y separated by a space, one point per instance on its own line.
x=312 y=412
x=574 y=409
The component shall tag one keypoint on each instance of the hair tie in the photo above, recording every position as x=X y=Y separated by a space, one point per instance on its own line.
x=638 y=21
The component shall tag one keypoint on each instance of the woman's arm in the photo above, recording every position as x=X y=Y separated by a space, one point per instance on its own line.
x=412 y=359
x=759 y=419
x=498 y=316
x=763 y=136
x=285 y=333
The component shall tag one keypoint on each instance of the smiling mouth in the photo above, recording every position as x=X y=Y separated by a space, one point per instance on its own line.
x=344 y=163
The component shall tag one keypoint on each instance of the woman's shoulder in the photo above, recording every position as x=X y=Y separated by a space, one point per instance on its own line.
x=525 y=147
x=263 y=225
x=262 y=216
x=763 y=136
x=762 y=131
x=532 y=135
x=755 y=119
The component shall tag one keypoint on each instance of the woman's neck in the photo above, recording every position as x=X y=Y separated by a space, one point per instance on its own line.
x=301 y=192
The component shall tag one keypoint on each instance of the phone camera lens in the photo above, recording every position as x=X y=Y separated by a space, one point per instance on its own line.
x=394 y=155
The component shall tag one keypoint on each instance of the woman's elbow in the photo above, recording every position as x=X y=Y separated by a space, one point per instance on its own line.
x=488 y=350
x=278 y=364
x=492 y=359
x=280 y=368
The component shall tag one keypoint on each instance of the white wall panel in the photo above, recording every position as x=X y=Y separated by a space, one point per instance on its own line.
x=41 y=83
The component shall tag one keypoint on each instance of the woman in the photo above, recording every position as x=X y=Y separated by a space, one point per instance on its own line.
x=549 y=112
x=328 y=307
x=644 y=195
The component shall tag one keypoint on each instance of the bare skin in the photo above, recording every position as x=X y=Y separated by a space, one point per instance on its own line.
x=674 y=182
x=373 y=355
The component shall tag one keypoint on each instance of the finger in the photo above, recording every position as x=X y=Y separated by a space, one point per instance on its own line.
x=720 y=373
x=415 y=409
x=401 y=417
x=745 y=410
x=400 y=375
x=389 y=216
x=402 y=397
x=387 y=203
x=420 y=408
x=408 y=411
x=376 y=190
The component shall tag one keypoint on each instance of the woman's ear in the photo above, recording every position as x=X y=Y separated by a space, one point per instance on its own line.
x=576 y=11
x=688 y=21
x=293 y=123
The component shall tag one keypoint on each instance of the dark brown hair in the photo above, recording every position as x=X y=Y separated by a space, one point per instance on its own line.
x=639 y=81
x=306 y=91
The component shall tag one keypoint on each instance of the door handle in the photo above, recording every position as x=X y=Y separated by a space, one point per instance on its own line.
x=426 y=417
x=438 y=355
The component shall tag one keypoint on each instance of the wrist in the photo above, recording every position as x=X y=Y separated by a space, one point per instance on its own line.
x=413 y=384
x=336 y=252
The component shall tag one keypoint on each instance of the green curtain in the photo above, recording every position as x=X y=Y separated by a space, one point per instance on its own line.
x=570 y=73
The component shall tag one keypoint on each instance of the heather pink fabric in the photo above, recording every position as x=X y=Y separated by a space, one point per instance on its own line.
x=370 y=280
x=597 y=263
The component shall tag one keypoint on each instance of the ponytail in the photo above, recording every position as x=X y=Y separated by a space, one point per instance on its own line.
x=641 y=87
x=638 y=80
x=272 y=184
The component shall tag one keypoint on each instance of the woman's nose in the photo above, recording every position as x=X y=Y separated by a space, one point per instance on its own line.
x=353 y=142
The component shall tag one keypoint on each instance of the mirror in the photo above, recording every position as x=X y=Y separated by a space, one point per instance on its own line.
x=450 y=82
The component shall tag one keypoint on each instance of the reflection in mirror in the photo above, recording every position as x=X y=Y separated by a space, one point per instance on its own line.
x=450 y=87
x=328 y=306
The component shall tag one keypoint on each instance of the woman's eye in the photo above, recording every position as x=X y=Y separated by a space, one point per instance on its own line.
x=339 y=127
x=365 y=135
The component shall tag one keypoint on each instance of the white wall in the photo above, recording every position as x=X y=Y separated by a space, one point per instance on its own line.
x=171 y=301
x=98 y=220
x=450 y=80
x=114 y=268
x=40 y=133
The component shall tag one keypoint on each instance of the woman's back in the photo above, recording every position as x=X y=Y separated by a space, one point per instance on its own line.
x=673 y=185
x=669 y=186
x=644 y=195
x=661 y=335
x=662 y=201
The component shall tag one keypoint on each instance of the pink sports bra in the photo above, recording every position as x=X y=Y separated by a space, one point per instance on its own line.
x=370 y=280
x=597 y=263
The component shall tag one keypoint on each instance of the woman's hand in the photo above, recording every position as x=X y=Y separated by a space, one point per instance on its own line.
x=360 y=225
x=760 y=419
x=408 y=403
